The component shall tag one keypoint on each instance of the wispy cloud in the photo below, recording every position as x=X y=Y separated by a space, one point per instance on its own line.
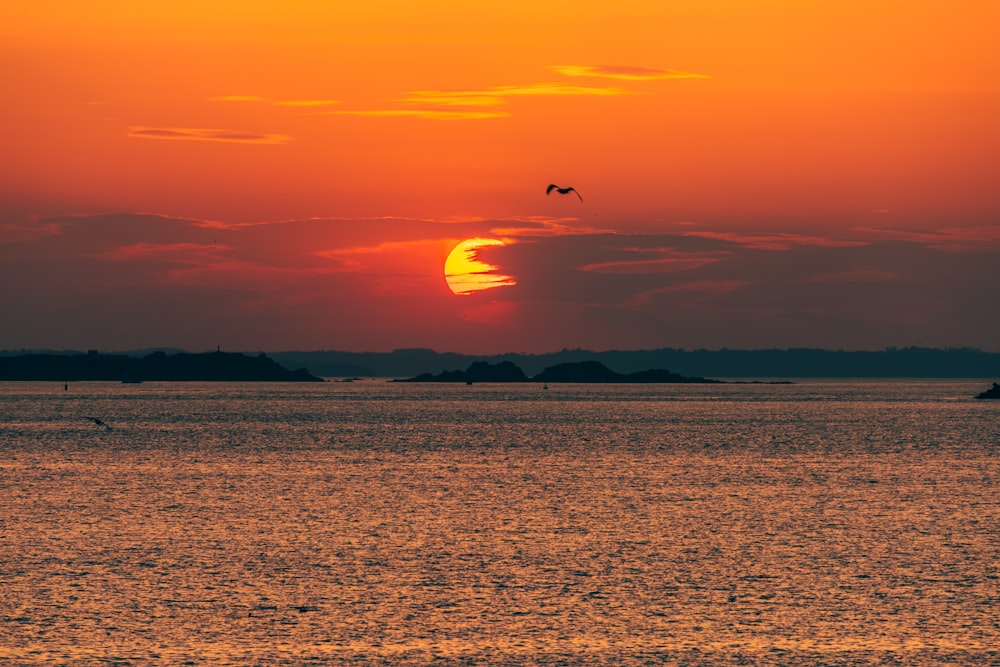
x=625 y=72
x=13 y=232
x=469 y=104
x=655 y=260
x=380 y=248
x=500 y=94
x=389 y=259
x=776 y=241
x=865 y=275
x=143 y=251
x=280 y=103
x=186 y=263
x=540 y=226
x=206 y=134
x=430 y=114
x=949 y=238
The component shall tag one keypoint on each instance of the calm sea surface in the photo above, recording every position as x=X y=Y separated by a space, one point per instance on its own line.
x=820 y=523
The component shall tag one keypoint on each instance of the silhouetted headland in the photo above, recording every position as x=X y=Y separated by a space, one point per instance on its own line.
x=577 y=372
x=158 y=366
x=909 y=362
x=992 y=392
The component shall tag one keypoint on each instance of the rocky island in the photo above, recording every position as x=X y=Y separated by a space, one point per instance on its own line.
x=992 y=392
x=577 y=372
x=157 y=366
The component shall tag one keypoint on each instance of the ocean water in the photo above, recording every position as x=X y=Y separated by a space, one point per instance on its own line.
x=819 y=523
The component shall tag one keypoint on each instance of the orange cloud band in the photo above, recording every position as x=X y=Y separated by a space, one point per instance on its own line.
x=625 y=72
x=206 y=134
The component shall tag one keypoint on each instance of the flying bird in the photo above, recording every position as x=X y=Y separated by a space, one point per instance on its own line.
x=98 y=422
x=562 y=191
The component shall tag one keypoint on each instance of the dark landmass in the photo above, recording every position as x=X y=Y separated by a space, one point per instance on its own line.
x=158 y=366
x=908 y=362
x=580 y=372
x=992 y=392
x=595 y=371
x=479 y=371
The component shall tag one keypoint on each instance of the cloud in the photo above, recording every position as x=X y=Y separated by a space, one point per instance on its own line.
x=377 y=249
x=863 y=275
x=473 y=101
x=131 y=280
x=140 y=251
x=429 y=114
x=949 y=238
x=193 y=264
x=280 y=103
x=500 y=94
x=666 y=260
x=206 y=134
x=146 y=251
x=777 y=241
x=388 y=257
x=238 y=98
x=15 y=232
x=446 y=105
x=625 y=72
x=304 y=103
x=535 y=226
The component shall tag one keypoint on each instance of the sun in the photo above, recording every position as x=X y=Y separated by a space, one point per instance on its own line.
x=466 y=274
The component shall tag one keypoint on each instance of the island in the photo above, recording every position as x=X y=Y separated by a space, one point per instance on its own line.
x=992 y=392
x=590 y=372
x=157 y=366
x=480 y=371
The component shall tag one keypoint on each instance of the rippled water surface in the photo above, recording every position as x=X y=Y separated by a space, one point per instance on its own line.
x=818 y=523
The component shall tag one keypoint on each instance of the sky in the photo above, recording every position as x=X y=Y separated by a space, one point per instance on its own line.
x=294 y=175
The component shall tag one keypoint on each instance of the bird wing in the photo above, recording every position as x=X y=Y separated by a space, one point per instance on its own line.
x=573 y=190
x=552 y=186
x=98 y=422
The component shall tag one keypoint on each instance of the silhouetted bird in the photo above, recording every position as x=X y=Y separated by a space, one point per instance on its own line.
x=562 y=191
x=98 y=422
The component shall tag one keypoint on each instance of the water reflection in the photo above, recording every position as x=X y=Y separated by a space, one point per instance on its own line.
x=821 y=523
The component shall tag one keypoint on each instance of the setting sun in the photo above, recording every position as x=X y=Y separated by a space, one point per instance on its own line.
x=466 y=273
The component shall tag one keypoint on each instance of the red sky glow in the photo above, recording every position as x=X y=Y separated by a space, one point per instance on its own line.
x=293 y=175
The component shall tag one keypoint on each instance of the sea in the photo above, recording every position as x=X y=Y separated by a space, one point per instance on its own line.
x=380 y=523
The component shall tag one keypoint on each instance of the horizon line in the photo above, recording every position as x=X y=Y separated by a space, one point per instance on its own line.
x=724 y=349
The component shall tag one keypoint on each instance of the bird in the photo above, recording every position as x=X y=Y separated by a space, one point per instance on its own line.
x=98 y=422
x=562 y=191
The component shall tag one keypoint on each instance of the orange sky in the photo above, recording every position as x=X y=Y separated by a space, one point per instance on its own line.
x=317 y=158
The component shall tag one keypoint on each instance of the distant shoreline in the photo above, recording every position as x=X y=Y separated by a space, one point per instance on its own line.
x=157 y=366
x=770 y=364
x=913 y=362
x=582 y=372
